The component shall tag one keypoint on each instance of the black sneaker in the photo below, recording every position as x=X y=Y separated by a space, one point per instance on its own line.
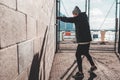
x=92 y=69
x=78 y=75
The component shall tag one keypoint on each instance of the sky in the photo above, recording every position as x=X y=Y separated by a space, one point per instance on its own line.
x=98 y=11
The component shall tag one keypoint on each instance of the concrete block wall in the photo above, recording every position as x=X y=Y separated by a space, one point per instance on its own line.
x=27 y=39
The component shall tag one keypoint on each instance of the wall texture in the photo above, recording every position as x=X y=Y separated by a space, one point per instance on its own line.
x=27 y=39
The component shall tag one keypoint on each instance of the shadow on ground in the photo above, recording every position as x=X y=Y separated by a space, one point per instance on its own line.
x=92 y=77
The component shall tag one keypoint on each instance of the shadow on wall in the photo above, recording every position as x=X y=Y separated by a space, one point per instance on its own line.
x=38 y=63
x=34 y=71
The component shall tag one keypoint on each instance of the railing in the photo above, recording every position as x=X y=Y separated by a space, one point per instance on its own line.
x=97 y=35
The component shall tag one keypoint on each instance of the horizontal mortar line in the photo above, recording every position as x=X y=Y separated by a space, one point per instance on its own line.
x=13 y=9
x=25 y=69
x=7 y=6
x=15 y=44
x=8 y=46
x=25 y=14
x=21 y=12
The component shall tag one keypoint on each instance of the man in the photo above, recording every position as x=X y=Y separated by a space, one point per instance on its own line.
x=83 y=37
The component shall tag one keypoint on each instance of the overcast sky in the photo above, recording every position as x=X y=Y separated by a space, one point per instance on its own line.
x=98 y=11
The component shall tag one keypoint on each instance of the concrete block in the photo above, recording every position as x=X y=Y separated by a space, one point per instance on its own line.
x=9 y=3
x=41 y=28
x=37 y=45
x=12 y=27
x=0 y=38
x=23 y=76
x=42 y=71
x=30 y=7
x=49 y=56
x=31 y=28
x=29 y=70
x=8 y=63
x=33 y=71
x=25 y=51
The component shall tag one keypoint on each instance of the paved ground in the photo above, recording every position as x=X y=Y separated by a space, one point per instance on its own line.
x=107 y=63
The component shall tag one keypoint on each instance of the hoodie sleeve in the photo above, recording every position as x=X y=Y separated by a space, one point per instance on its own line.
x=67 y=19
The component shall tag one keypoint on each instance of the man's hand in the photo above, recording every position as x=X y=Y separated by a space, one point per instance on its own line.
x=58 y=17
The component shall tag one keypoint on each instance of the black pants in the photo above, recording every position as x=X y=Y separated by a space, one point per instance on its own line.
x=83 y=50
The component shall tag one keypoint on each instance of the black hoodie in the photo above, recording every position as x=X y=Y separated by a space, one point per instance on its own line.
x=82 y=27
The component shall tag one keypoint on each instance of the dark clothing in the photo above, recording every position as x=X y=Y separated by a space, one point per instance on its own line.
x=83 y=50
x=82 y=28
x=82 y=35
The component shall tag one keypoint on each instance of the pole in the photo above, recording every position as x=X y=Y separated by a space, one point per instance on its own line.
x=88 y=10
x=86 y=6
x=59 y=26
x=116 y=25
x=56 y=25
x=119 y=30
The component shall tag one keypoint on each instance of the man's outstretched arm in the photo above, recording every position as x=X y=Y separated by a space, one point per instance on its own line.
x=67 y=19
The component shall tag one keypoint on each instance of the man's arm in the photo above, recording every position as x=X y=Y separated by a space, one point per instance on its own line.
x=67 y=19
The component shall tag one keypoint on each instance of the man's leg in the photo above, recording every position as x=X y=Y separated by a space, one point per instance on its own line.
x=79 y=74
x=86 y=53
x=90 y=59
x=79 y=59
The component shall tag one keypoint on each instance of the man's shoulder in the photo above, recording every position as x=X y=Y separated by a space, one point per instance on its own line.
x=83 y=14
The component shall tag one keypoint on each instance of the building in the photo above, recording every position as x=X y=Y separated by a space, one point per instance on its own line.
x=27 y=39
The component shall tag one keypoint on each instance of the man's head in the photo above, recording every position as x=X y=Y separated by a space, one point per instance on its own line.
x=76 y=11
